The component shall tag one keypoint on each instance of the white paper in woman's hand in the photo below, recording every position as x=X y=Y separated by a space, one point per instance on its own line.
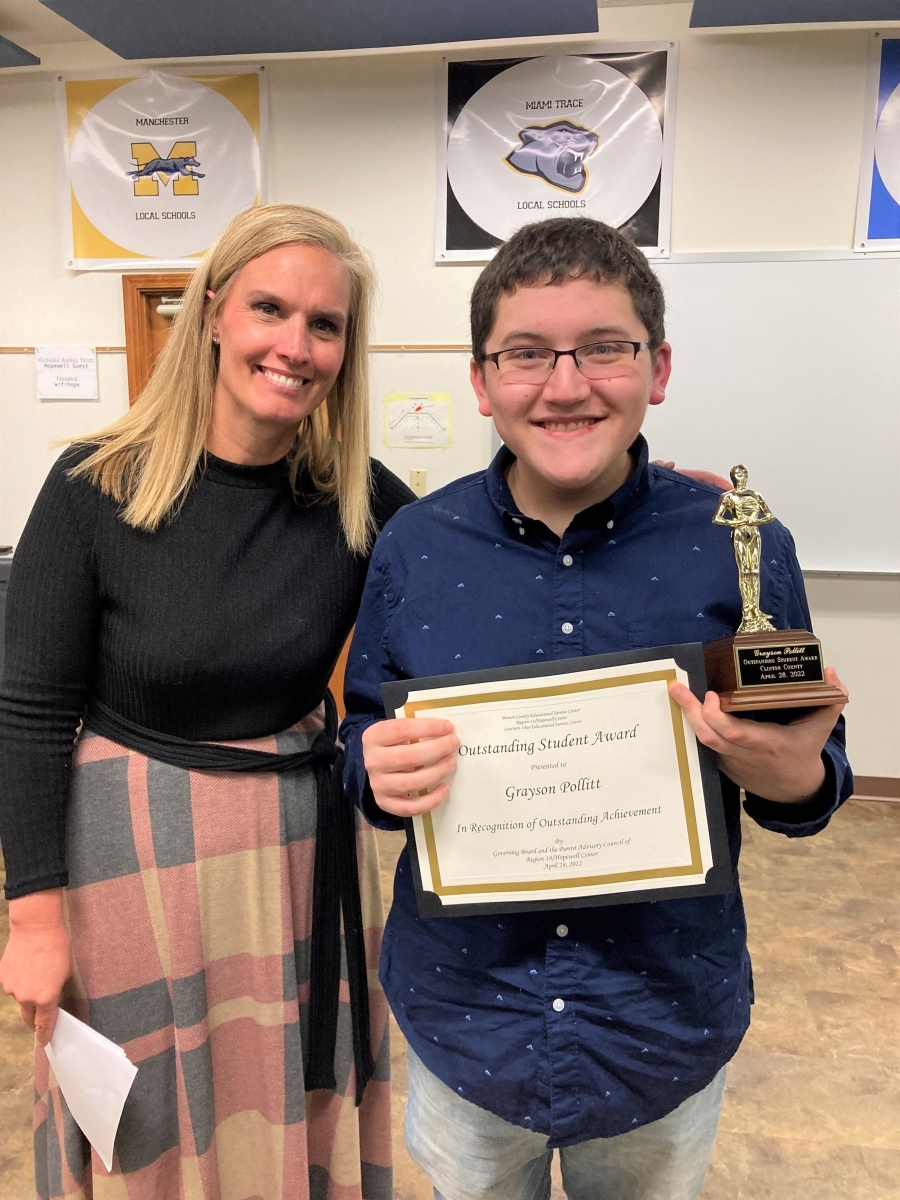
x=94 y=1076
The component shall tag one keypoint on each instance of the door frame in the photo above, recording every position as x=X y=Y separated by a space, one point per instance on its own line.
x=138 y=292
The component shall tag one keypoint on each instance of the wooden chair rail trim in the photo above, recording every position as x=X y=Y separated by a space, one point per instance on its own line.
x=31 y=349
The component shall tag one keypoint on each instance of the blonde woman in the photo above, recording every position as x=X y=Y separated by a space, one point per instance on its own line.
x=189 y=881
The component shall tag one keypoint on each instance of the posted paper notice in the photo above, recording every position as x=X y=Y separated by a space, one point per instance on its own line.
x=66 y=373
x=417 y=422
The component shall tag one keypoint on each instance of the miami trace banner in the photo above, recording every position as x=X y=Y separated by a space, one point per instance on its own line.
x=878 y=208
x=521 y=140
x=158 y=165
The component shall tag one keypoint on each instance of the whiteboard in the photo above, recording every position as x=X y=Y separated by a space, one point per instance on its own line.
x=790 y=367
x=793 y=368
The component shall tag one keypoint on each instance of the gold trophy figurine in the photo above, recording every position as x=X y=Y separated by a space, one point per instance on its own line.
x=760 y=666
x=743 y=511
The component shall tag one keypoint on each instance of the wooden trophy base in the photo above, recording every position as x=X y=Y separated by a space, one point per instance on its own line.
x=781 y=668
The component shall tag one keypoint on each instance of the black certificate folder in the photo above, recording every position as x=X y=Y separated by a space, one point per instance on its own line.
x=579 y=783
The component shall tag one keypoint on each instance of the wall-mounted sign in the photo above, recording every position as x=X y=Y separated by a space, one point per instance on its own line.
x=522 y=140
x=66 y=372
x=417 y=422
x=878 y=207
x=158 y=165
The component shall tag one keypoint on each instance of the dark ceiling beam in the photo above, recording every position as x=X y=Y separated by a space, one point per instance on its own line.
x=12 y=55
x=213 y=28
x=718 y=14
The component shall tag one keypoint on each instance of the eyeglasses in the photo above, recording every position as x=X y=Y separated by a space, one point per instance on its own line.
x=535 y=364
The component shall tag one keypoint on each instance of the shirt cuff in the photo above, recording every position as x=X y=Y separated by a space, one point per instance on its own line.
x=356 y=782
x=374 y=815
x=799 y=820
x=44 y=883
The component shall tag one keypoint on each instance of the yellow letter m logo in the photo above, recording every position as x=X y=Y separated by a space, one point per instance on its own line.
x=152 y=167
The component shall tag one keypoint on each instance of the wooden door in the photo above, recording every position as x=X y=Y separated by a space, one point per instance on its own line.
x=146 y=328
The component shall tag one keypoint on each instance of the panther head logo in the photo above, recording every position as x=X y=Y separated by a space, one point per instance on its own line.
x=556 y=153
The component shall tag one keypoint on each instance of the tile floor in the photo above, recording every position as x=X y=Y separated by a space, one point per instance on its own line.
x=812 y=1107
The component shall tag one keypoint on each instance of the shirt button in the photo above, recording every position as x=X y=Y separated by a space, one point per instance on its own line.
x=567 y=627
x=558 y=1005
x=567 y=560
x=562 y=931
x=609 y=524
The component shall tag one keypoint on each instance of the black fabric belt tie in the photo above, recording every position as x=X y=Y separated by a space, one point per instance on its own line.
x=335 y=864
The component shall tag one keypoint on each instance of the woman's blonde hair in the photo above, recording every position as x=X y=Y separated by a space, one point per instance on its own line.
x=147 y=460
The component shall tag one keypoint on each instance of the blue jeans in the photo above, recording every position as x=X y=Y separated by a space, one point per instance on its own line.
x=469 y=1153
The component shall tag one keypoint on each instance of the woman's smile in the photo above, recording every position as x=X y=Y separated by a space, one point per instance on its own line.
x=280 y=379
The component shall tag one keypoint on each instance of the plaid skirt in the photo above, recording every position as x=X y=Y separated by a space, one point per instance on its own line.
x=189 y=905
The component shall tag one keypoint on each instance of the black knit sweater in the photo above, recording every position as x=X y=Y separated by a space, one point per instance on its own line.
x=225 y=623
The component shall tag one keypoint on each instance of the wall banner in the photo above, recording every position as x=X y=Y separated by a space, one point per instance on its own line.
x=158 y=165
x=522 y=140
x=878 y=207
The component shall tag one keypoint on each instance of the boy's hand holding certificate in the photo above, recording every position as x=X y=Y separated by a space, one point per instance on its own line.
x=577 y=782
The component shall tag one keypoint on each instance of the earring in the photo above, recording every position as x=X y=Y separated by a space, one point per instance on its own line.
x=215 y=338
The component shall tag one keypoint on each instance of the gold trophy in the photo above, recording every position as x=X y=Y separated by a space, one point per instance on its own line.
x=761 y=666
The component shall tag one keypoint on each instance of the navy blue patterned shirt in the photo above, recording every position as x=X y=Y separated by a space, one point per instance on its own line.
x=590 y=1022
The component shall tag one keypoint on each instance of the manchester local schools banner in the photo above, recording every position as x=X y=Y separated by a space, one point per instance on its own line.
x=878 y=209
x=158 y=165
x=521 y=140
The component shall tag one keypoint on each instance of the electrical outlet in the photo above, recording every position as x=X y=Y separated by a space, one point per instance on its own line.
x=417 y=482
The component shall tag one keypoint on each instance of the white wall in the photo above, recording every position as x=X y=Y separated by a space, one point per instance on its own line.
x=768 y=139
x=769 y=130
x=858 y=621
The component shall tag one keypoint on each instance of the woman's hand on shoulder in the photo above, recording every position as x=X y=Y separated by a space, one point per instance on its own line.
x=409 y=763
x=37 y=960
x=695 y=473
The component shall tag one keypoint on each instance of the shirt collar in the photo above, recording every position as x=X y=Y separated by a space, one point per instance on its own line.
x=632 y=491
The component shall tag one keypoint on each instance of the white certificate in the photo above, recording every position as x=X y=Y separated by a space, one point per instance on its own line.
x=583 y=786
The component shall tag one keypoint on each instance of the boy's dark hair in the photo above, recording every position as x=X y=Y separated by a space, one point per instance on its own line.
x=560 y=249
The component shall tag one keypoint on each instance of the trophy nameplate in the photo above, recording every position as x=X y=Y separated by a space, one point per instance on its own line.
x=760 y=666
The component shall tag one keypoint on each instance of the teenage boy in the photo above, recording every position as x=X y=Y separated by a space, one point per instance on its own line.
x=602 y=1031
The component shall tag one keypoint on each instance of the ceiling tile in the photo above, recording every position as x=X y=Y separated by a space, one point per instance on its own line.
x=707 y=14
x=12 y=55
x=202 y=28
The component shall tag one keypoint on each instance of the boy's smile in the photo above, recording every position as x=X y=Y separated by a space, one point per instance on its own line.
x=570 y=434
